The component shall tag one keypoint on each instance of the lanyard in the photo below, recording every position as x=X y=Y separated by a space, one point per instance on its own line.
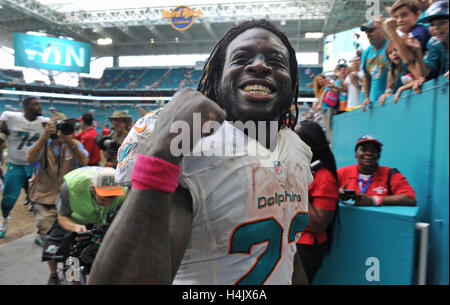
x=363 y=190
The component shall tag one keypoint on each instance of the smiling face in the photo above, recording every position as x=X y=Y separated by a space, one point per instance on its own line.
x=256 y=80
x=406 y=19
x=439 y=29
x=367 y=155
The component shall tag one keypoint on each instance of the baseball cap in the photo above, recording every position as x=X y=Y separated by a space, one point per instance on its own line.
x=341 y=63
x=438 y=9
x=105 y=184
x=369 y=26
x=368 y=138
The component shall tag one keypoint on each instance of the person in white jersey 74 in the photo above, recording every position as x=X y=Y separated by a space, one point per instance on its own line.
x=23 y=129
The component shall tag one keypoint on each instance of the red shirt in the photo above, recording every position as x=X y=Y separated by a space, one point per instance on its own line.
x=106 y=131
x=322 y=193
x=87 y=139
x=378 y=185
x=79 y=135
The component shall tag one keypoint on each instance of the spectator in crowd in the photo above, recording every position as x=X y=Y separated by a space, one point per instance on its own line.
x=402 y=27
x=86 y=195
x=319 y=84
x=23 y=129
x=397 y=75
x=323 y=194
x=374 y=64
x=436 y=59
x=354 y=84
x=406 y=13
x=55 y=154
x=374 y=185
x=342 y=69
x=87 y=138
x=253 y=74
x=106 y=131
x=328 y=103
x=121 y=123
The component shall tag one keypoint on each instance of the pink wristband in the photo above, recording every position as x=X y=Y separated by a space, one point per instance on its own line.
x=377 y=200
x=152 y=173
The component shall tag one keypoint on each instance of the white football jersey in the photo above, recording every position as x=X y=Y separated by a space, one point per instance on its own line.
x=249 y=205
x=22 y=134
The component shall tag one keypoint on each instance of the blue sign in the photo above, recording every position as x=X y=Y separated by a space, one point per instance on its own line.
x=51 y=53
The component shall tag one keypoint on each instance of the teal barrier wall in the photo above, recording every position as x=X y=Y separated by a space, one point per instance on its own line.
x=373 y=246
x=416 y=142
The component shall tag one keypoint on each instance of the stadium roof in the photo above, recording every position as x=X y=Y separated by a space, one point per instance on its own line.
x=137 y=27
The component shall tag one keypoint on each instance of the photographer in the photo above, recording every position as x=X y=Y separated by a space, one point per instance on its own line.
x=109 y=148
x=86 y=196
x=54 y=154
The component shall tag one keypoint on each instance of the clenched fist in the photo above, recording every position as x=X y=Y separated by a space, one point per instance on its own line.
x=181 y=109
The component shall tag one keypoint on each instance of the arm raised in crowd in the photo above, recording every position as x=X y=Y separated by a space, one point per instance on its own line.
x=408 y=55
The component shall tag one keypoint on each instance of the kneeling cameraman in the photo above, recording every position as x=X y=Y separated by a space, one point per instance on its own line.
x=86 y=196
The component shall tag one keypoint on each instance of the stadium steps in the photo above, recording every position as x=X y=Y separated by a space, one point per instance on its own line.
x=161 y=79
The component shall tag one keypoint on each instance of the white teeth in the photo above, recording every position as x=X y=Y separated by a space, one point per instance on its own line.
x=257 y=89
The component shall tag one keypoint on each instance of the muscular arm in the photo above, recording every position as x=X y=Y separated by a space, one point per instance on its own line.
x=142 y=246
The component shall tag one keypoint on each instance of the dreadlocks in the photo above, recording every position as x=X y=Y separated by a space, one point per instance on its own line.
x=212 y=72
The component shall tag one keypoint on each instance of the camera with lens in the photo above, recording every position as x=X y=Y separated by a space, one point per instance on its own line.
x=107 y=144
x=65 y=127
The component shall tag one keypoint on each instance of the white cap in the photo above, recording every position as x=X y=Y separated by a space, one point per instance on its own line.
x=105 y=184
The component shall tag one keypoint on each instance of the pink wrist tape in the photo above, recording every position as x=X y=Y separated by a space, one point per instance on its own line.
x=152 y=173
